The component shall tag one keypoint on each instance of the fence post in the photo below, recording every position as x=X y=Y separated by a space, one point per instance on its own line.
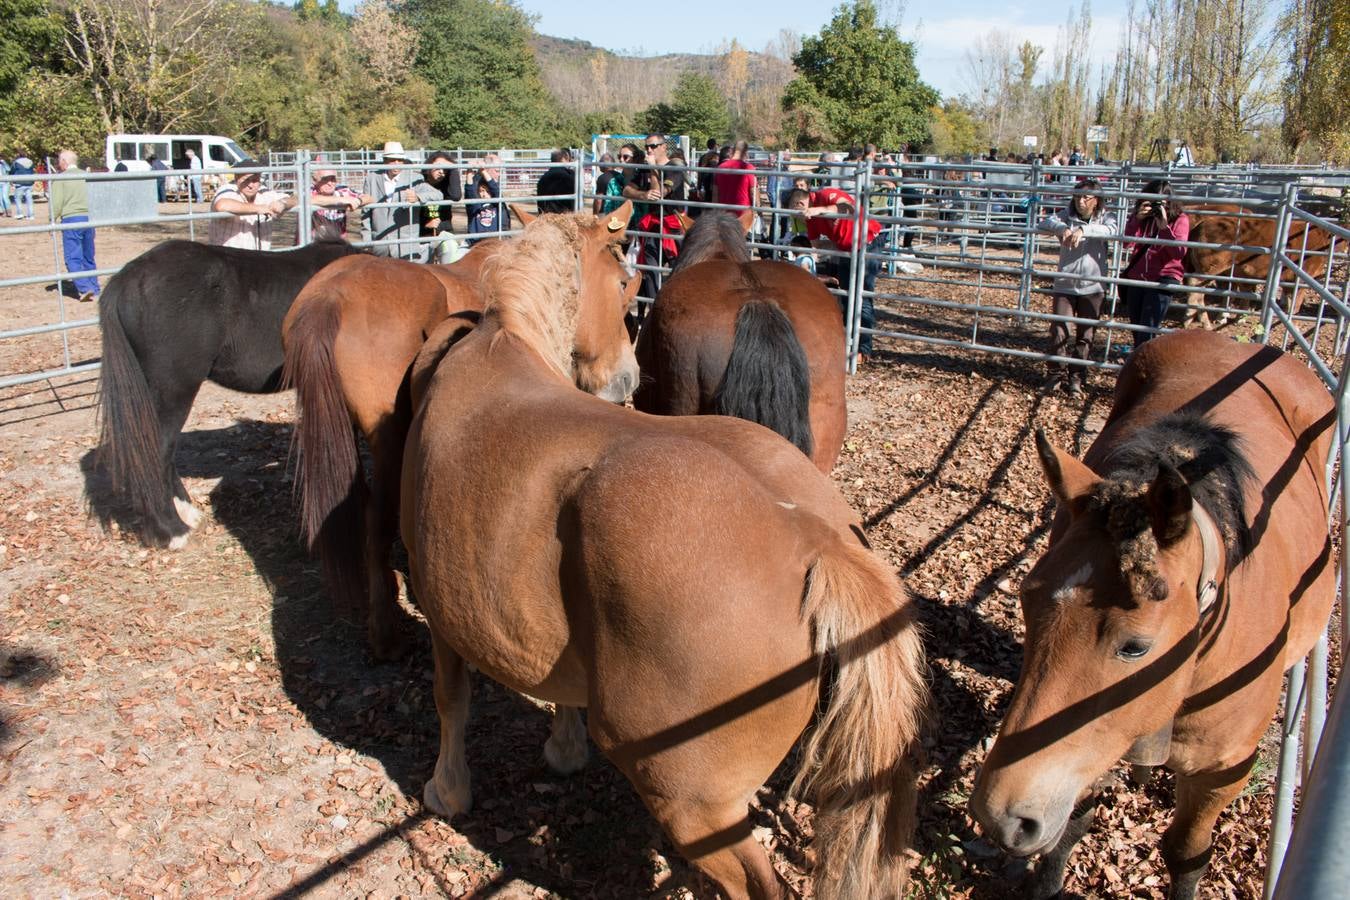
x=853 y=308
x=1271 y=292
x=1029 y=242
x=580 y=198
x=303 y=230
x=1281 y=819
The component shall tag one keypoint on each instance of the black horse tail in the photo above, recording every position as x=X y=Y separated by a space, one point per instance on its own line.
x=129 y=433
x=329 y=477
x=767 y=378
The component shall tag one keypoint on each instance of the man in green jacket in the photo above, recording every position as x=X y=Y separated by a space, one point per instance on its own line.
x=69 y=203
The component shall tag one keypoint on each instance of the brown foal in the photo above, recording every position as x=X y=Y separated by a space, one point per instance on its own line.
x=1190 y=565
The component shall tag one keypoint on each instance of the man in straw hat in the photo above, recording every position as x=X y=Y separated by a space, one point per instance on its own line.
x=396 y=184
x=253 y=210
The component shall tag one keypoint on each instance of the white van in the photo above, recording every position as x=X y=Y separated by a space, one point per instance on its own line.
x=133 y=150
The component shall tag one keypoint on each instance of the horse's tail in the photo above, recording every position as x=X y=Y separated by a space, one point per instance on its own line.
x=767 y=379
x=329 y=477
x=856 y=759
x=129 y=434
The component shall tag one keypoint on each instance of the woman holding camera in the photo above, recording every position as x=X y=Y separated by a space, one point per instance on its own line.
x=1158 y=216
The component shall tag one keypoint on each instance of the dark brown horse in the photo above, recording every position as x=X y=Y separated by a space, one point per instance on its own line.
x=1189 y=567
x=761 y=340
x=693 y=582
x=177 y=315
x=350 y=339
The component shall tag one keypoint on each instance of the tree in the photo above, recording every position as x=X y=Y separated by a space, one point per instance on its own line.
x=156 y=65
x=1317 y=79
x=696 y=108
x=476 y=54
x=54 y=112
x=863 y=80
x=955 y=131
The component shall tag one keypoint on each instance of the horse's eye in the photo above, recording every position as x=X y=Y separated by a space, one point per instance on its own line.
x=1134 y=648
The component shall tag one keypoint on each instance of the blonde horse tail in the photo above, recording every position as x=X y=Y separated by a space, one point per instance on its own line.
x=855 y=764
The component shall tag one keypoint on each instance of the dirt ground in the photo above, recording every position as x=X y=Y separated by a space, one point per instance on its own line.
x=201 y=721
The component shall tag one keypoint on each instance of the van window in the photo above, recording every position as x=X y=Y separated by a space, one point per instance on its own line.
x=218 y=153
x=161 y=150
x=124 y=150
x=235 y=152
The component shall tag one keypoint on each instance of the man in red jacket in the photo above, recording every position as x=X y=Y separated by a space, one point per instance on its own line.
x=831 y=218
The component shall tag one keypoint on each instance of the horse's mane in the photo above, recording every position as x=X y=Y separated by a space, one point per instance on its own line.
x=717 y=234
x=532 y=285
x=1211 y=459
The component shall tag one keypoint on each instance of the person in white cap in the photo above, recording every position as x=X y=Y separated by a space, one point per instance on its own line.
x=395 y=184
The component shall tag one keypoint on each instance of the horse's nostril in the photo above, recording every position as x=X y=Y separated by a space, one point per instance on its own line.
x=1027 y=832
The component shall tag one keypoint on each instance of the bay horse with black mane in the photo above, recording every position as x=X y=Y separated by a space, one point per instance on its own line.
x=693 y=582
x=177 y=315
x=1190 y=565
x=760 y=340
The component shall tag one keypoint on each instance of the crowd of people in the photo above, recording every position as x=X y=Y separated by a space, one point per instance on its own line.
x=407 y=211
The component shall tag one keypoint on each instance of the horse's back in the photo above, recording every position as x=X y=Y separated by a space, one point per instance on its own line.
x=684 y=348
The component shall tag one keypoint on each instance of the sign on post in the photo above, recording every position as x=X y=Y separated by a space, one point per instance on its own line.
x=1098 y=134
x=1030 y=141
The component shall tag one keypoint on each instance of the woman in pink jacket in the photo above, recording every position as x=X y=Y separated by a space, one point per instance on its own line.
x=1163 y=264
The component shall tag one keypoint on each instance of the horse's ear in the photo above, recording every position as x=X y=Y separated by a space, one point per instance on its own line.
x=747 y=220
x=525 y=216
x=1068 y=478
x=613 y=226
x=686 y=223
x=1169 y=505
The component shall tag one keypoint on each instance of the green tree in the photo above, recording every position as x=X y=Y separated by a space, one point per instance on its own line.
x=1318 y=77
x=28 y=39
x=955 y=130
x=476 y=54
x=697 y=107
x=53 y=112
x=862 y=79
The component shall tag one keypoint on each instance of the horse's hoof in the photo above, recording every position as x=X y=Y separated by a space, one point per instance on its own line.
x=566 y=750
x=191 y=515
x=178 y=541
x=386 y=645
x=458 y=803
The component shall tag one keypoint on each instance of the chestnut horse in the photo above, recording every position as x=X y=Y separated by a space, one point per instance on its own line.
x=1189 y=567
x=760 y=340
x=350 y=338
x=179 y=314
x=1225 y=224
x=693 y=582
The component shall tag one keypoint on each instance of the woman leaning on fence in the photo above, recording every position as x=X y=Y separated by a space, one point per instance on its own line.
x=1164 y=217
x=1081 y=228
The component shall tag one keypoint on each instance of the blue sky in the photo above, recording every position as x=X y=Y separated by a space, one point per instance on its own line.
x=942 y=32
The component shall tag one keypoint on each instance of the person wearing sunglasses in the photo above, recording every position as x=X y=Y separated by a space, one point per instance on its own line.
x=660 y=180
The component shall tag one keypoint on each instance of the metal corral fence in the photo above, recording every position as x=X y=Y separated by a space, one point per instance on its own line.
x=963 y=265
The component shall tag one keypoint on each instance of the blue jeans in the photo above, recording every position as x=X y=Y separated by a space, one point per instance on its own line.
x=1147 y=306
x=23 y=193
x=78 y=244
x=5 y=189
x=871 y=270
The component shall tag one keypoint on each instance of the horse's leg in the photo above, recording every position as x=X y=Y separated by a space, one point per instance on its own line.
x=383 y=614
x=447 y=792
x=172 y=405
x=565 y=751
x=1049 y=878
x=700 y=788
x=715 y=835
x=1189 y=840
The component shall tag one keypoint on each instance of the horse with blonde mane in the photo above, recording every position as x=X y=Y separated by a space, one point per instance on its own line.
x=694 y=582
x=350 y=340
